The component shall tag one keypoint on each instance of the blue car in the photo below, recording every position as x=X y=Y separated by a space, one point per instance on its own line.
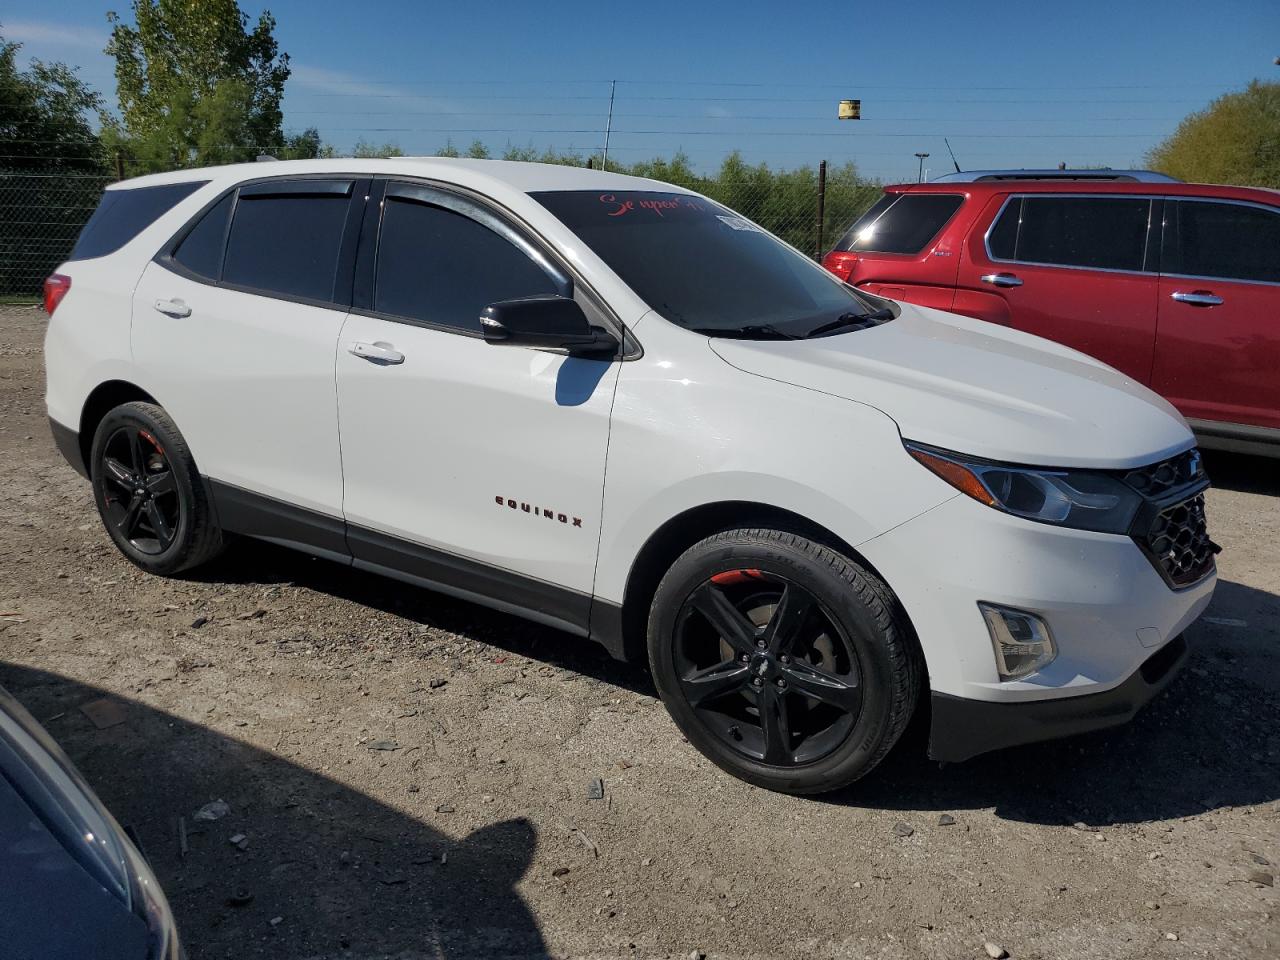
x=72 y=885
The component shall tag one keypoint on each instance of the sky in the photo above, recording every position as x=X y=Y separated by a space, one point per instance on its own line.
x=1009 y=84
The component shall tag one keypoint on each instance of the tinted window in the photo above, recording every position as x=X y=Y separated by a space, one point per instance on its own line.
x=441 y=267
x=201 y=250
x=1073 y=231
x=701 y=265
x=286 y=243
x=123 y=214
x=905 y=224
x=1227 y=240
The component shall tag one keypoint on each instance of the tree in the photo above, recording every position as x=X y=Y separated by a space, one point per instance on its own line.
x=1235 y=140
x=52 y=169
x=366 y=150
x=306 y=145
x=44 y=116
x=195 y=85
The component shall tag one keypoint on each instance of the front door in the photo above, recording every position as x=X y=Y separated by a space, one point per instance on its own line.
x=1218 y=345
x=468 y=464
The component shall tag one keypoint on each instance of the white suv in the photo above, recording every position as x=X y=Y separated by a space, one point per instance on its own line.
x=614 y=406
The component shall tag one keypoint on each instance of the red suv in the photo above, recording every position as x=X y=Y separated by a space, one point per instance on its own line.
x=1175 y=284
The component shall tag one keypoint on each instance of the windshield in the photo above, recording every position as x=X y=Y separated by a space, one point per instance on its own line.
x=704 y=267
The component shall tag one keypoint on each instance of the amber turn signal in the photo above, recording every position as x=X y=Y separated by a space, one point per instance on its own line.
x=959 y=476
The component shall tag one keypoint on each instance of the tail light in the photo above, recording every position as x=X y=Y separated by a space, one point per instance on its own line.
x=55 y=288
x=841 y=263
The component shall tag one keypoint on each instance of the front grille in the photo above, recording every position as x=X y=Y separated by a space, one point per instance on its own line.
x=1170 y=528
x=1159 y=478
x=1178 y=542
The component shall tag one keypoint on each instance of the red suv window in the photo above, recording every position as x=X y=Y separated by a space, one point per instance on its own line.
x=1099 y=232
x=901 y=223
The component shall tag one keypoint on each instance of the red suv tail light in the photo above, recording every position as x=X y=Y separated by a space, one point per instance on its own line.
x=841 y=263
x=55 y=288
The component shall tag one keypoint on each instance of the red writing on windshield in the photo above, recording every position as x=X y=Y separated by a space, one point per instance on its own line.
x=656 y=204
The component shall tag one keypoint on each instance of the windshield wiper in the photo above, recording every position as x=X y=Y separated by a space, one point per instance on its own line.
x=752 y=331
x=852 y=320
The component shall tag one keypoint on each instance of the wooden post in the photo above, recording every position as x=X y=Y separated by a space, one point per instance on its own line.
x=822 y=205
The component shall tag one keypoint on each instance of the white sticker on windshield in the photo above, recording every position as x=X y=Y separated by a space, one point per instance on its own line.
x=737 y=223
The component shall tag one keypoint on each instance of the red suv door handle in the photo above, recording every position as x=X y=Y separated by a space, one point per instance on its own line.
x=1197 y=298
x=1001 y=280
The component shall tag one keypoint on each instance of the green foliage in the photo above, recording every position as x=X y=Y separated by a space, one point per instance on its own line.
x=52 y=168
x=44 y=117
x=306 y=145
x=196 y=87
x=1235 y=140
x=367 y=150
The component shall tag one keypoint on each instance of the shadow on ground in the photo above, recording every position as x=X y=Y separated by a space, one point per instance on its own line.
x=326 y=859
x=1243 y=473
x=1211 y=740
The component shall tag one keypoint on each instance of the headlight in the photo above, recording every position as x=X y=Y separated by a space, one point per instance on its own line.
x=54 y=789
x=1081 y=499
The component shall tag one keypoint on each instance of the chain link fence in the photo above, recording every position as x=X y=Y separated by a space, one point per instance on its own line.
x=41 y=214
x=40 y=217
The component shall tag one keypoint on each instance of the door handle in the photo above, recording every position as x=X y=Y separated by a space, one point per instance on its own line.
x=173 y=308
x=1001 y=280
x=379 y=352
x=1197 y=298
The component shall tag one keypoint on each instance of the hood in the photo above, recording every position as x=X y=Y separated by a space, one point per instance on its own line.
x=978 y=388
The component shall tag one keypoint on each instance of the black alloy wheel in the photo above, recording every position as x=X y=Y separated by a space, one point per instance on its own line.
x=138 y=490
x=786 y=663
x=765 y=668
x=150 y=495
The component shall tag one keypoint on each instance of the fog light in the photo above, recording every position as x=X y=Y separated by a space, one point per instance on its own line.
x=1021 y=640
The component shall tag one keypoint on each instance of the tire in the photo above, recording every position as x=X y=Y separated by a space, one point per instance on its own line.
x=803 y=680
x=150 y=496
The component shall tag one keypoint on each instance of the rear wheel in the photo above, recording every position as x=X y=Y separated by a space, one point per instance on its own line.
x=149 y=493
x=784 y=662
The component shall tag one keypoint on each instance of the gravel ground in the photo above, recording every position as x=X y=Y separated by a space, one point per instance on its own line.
x=411 y=776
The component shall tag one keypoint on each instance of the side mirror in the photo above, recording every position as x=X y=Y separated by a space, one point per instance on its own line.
x=556 y=323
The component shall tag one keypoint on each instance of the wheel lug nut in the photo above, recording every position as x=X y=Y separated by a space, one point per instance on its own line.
x=757 y=682
x=760 y=644
x=781 y=682
x=744 y=658
x=785 y=659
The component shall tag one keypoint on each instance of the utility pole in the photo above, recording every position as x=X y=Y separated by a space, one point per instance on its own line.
x=920 y=172
x=608 y=126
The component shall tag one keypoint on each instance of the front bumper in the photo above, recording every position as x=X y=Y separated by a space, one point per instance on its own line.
x=962 y=728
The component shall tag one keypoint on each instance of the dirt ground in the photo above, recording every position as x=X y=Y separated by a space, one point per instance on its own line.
x=411 y=775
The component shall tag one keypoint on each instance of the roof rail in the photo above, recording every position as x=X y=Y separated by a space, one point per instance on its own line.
x=1133 y=176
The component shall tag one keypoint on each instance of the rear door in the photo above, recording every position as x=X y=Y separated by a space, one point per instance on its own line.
x=1218 y=345
x=1078 y=269
x=236 y=324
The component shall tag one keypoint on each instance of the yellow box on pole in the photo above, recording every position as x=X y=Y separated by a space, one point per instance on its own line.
x=850 y=110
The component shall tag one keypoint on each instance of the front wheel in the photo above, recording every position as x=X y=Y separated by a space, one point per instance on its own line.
x=785 y=663
x=149 y=493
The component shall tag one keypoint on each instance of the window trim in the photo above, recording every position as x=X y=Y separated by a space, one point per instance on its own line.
x=506 y=222
x=260 y=187
x=426 y=195
x=1274 y=211
x=927 y=247
x=365 y=215
x=1151 y=200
